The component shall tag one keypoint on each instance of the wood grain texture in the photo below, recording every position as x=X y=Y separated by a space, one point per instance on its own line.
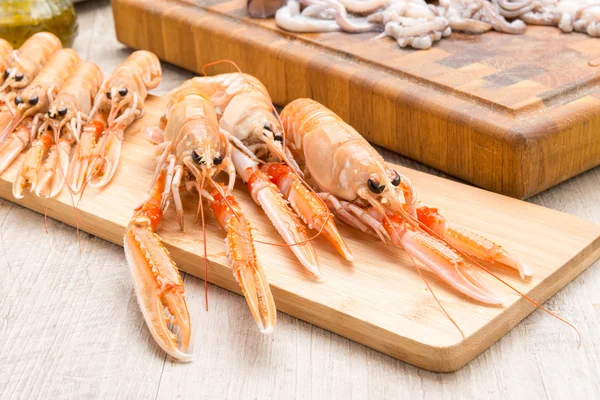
x=515 y=114
x=379 y=300
x=75 y=332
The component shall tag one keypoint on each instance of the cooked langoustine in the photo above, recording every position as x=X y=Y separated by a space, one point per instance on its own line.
x=192 y=149
x=27 y=62
x=365 y=193
x=61 y=128
x=6 y=51
x=246 y=116
x=117 y=104
x=30 y=106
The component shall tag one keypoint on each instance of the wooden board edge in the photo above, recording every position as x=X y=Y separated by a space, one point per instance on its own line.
x=433 y=358
x=520 y=168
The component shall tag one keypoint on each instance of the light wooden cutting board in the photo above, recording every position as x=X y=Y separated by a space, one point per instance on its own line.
x=379 y=300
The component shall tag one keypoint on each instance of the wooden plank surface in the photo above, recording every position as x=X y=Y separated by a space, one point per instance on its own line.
x=514 y=114
x=71 y=328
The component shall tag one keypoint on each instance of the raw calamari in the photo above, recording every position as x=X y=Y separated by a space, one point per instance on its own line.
x=417 y=24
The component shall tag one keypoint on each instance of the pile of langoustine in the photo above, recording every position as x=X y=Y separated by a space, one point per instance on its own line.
x=302 y=168
x=68 y=118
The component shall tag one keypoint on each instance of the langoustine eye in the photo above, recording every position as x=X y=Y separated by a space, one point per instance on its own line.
x=196 y=158
x=395 y=178
x=374 y=186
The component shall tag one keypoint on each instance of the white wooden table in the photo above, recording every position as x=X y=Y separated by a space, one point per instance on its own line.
x=70 y=325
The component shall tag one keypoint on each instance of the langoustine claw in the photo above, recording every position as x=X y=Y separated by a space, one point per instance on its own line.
x=86 y=151
x=156 y=279
x=15 y=143
x=440 y=259
x=246 y=269
x=28 y=172
x=469 y=242
x=268 y=197
x=307 y=205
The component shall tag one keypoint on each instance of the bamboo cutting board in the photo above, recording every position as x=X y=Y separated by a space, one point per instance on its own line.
x=379 y=300
x=515 y=114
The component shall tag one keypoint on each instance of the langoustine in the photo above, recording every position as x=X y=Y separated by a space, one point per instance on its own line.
x=46 y=169
x=6 y=52
x=365 y=193
x=27 y=62
x=246 y=115
x=31 y=104
x=119 y=102
x=192 y=150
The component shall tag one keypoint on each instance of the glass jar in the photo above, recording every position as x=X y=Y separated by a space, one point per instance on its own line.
x=20 y=19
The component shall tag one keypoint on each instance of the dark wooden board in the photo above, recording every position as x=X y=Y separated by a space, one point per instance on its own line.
x=512 y=114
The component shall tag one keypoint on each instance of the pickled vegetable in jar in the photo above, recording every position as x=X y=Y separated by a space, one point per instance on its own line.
x=19 y=19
